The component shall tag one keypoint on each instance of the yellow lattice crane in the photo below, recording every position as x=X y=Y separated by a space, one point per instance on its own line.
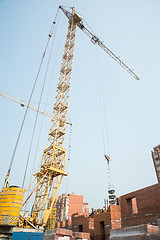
x=52 y=169
x=53 y=161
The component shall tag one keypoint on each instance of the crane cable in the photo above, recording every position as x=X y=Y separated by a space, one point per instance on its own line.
x=45 y=104
x=39 y=136
x=26 y=111
x=104 y=124
x=42 y=90
x=37 y=145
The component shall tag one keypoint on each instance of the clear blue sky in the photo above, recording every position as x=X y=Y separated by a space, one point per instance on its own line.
x=131 y=30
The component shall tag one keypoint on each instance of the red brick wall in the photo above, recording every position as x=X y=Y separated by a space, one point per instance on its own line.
x=111 y=219
x=86 y=223
x=115 y=213
x=148 y=206
x=136 y=208
x=75 y=204
x=57 y=225
x=65 y=211
x=98 y=219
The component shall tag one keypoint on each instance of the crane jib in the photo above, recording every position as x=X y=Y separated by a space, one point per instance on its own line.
x=95 y=40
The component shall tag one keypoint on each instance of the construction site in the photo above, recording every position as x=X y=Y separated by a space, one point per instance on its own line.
x=79 y=163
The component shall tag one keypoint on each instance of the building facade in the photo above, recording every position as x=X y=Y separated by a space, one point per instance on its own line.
x=86 y=208
x=68 y=204
x=156 y=160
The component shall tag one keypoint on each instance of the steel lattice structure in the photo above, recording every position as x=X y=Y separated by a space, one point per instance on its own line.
x=52 y=168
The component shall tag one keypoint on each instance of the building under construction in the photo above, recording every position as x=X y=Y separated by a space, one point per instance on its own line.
x=135 y=216
x=156 y=161
x=68 y=204
x=69 y=210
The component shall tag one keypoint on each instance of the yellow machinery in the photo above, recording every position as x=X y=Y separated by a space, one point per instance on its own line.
x=52 y=169
x=52 y=218
x=10 y=205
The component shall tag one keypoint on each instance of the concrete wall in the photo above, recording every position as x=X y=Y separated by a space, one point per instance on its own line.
x=139 y=232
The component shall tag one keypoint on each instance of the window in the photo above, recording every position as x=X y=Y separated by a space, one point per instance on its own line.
x=155 y=153
x=132 y=205
x=157 y=159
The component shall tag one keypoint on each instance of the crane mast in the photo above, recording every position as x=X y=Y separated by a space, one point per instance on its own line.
x=52 y=168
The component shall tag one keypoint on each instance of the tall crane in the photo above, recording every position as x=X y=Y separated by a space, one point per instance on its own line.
x=52 y=169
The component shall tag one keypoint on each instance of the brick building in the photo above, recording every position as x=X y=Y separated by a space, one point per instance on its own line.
x=83 y=223
x=156 y=160
x=86 y=208
x=133 y=210
x=68 y=204
x=98 y=225
x=141 y=207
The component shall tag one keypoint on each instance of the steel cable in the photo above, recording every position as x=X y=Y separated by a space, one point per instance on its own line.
x=42 y=90
x=24 y=118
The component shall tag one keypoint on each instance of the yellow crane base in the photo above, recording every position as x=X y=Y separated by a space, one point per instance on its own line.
x=10 y=205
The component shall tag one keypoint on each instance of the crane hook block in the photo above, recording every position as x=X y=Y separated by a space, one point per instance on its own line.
x=107 y=157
